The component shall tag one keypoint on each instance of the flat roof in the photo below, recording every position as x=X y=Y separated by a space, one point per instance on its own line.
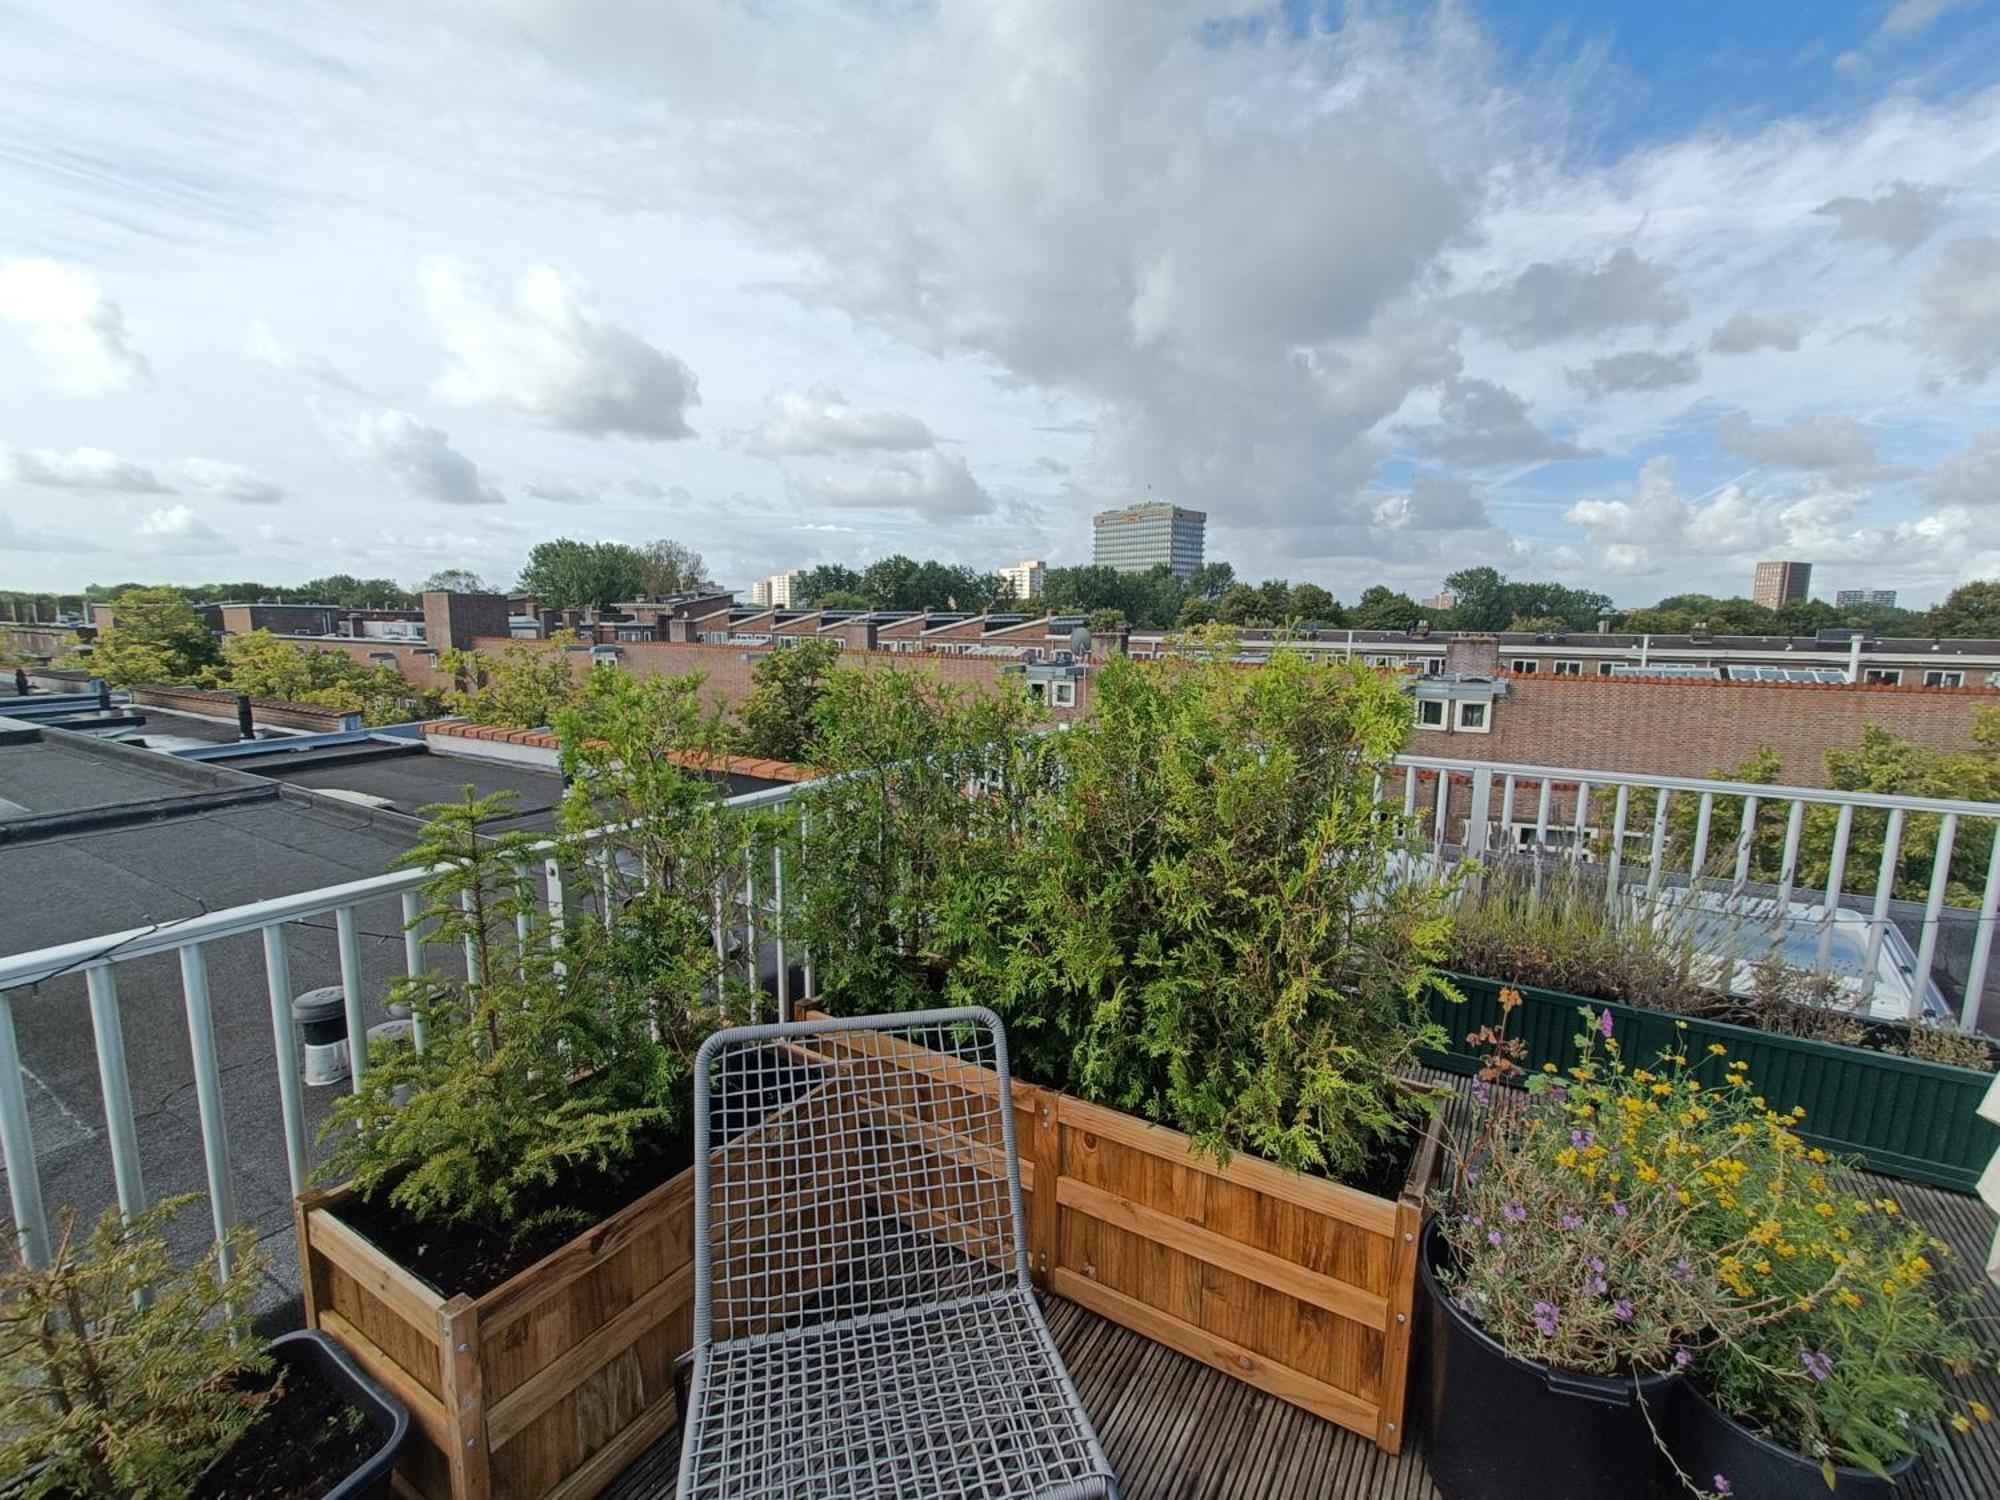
x=405 y=778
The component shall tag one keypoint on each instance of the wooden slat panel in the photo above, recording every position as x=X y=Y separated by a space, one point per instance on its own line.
x=549 y=1276
x=426 y=1411
x=1377 y=1215
x=512 y=1412
x=1231 y=1358
x=1294 y=1280
x=395 y=1288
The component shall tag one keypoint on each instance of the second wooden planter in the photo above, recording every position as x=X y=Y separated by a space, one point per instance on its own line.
x=545 y=1387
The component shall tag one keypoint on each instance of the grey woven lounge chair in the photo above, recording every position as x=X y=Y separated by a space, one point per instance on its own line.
x=864 y=1326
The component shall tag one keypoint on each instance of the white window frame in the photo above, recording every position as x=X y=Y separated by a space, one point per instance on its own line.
x=1443 y=717
x=1604 y=668
x=1936 y=677
x=1485 y=724
x=1524 y=666
x=1062 y=695
x=1568 y=667
x=1882 y=676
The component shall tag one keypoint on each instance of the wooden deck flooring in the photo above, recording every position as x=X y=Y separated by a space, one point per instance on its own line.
x=1178 y=1430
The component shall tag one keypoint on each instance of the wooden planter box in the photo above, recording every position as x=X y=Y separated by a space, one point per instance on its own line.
x=545 y=1387
x=1903 y=1116
x=1300 y=1287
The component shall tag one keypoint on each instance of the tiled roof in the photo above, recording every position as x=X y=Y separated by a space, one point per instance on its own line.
x=728 y=765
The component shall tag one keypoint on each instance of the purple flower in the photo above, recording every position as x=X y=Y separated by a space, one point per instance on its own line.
x=1595 y=1286
x=1622 y=1310
x=1683 y=1358
x=1620 y=1209
x=1582 y=1137
x=1595 y=1264
x=1496 y=1238
x=1604 y=1023
x=1472 y=1175
x=1818 y=1365
x=1570 y=1221
x=1515 y=1212
x=1722 y=1485
x=1545 y=1317
x=1473 y=1221
x=1682 y=1271
x=1482 y=1095
x=1560 y=1094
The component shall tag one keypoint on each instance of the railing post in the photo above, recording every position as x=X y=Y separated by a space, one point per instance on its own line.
x=208 y=1100
x=1788 y=871
x=284 y=1043
x=350 y=992
x=1476 y=839
x=1746 y=836
x=1836 y=873
x=1982 y=944
x=17 y=1146
x=778 y=929
x=1659 y=852
x=1703 y=818
x=1620 y=809
x=116 y=1081
x=1885 y=887
x=1933 y=913
x=413 y=962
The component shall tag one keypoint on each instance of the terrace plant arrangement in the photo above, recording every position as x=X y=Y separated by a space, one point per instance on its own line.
x=1186 y=909
x=518 y=1187
x=1660 y=1243
x=127 y=1376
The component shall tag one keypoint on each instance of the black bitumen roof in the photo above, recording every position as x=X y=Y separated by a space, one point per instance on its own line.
x=407 y=778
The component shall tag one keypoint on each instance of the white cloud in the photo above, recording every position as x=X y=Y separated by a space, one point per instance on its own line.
x=1484 y=423
x=928 y=483
x=1636 y=370
x=76 y=331
x=82 y=469
x=230 y=481
x=17 y=538
x=1555 y=300
x=1958 y=308
x=1747 y=332
x=1831 y=444
x=1435 y=502
x=416 y=457
x=261 y=343
x=563 y=492
x=1899 y=220
x=547 y=357
x=176 y=528
x=1970 y=476
x=820 y=420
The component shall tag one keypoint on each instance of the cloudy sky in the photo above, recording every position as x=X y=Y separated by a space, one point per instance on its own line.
x=1624 y=295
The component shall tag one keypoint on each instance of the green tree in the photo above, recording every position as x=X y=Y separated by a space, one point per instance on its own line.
x=813 y=586
x=1242 y=604
x=567 y=574
x=1482 y=599
x=777 y=718
x=343 y=589
x=122 y=1368
x=268 y=666
x=453 y=581
x=522 y=686
x=840 y=599
x=669 y=567
x=1381 y=608
x=1970 y=610
x=1311 y=603
x=156 y=636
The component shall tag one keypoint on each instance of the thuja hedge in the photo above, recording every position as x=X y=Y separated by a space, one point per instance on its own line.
x=1182 y=905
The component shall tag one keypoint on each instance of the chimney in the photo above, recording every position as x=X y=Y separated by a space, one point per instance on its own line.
x=1472 y=655
x=246 y=727
x=857 y=635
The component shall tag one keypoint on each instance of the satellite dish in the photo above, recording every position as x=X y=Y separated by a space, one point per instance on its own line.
x=1079 y=640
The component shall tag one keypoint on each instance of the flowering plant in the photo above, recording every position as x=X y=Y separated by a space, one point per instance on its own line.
x=1569 y=1217
x=1845 y=1366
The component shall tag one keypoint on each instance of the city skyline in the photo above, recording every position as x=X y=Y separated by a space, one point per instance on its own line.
x=355 y=304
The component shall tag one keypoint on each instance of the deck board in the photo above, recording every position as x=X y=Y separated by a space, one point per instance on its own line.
x=1178 y=1430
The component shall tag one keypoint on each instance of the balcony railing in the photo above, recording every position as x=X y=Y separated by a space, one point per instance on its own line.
x=1460 y=806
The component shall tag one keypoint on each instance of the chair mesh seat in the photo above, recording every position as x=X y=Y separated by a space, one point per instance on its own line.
x=864 y=1326
x=960 y=1401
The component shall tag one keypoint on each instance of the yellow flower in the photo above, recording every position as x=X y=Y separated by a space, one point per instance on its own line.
x=1548 y=1067
x=1959 y=1423
x=1824 y=1210
x=1981 y=1412
x=1888 y=1206
x=1648 y=1173
x=1846 y=1297
x=1816 y=1155
x=1717 y=1049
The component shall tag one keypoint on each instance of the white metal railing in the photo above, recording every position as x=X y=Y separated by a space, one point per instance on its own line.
x=1550 y=807
x=190 y=940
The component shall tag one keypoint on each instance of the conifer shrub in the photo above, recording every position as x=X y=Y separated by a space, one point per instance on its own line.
x=106 y=1394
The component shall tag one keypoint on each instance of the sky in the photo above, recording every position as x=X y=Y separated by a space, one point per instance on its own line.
x=1622 y=295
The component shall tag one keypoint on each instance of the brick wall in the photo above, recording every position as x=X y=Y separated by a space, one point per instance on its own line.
x=1692 y=728
x=222 y=705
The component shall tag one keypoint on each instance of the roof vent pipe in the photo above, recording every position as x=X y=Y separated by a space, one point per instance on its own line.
x=245 y=727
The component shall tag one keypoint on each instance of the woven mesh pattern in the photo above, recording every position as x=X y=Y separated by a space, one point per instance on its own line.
x=864 y=1324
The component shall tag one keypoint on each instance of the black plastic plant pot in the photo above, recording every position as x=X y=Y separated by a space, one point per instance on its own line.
x=388 y=1419
x=1498 y=1427
x=1706 y=1441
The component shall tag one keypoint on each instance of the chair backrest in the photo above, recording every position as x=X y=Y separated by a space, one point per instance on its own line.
x=852 y=1167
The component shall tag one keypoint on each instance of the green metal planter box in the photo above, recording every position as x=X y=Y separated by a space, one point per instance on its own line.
x=1903 y=1116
